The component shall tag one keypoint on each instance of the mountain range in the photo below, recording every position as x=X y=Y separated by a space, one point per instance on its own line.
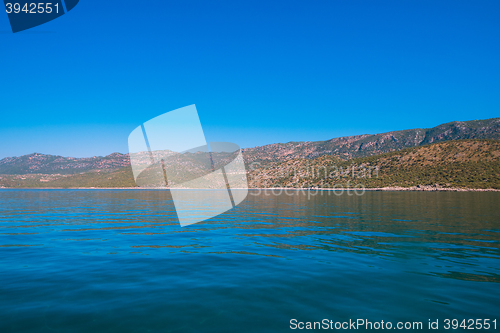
x=374 y=144
x=344 y=148
x=40 y=170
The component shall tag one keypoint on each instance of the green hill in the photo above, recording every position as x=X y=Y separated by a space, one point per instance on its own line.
x=117 y=178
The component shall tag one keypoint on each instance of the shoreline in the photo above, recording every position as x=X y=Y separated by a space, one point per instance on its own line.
x=425 y=188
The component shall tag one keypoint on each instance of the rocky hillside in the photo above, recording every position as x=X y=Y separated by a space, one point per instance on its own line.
x=344 y=148
x=401 y=158
x=50 y=164
x=462 y=164
x=368 y=145
x=452 y=164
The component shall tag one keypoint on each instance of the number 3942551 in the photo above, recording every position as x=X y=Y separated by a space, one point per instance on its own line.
x=470 y=324
x=32 y=8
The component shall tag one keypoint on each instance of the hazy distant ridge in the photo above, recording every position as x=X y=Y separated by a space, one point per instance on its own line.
x=50 y=164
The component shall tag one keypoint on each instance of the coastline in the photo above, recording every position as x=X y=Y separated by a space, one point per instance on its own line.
x=425 y=188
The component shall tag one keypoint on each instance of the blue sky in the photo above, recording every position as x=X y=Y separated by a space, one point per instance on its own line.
x=259 y=72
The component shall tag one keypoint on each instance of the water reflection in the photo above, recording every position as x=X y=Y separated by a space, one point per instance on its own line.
x=104 y=258
x=456 y=228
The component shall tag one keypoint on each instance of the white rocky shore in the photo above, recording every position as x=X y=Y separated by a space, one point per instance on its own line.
x=427 y=188
x=432 y=188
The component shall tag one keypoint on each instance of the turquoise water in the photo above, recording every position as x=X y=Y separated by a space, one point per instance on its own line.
x=117 y=261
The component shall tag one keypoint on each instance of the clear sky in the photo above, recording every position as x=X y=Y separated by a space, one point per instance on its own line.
x=259 y=72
